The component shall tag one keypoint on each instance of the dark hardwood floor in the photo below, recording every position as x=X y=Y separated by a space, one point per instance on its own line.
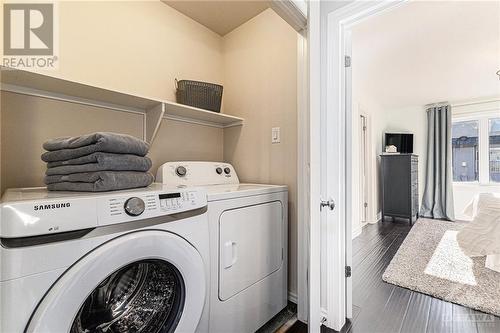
x=386 y=308
x=383 y=307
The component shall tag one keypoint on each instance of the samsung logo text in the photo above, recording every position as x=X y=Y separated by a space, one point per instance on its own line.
x=52 y=206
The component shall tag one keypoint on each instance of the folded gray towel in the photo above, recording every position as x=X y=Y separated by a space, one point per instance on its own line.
x=73 y=147
x=98 y=181
x=99 y=162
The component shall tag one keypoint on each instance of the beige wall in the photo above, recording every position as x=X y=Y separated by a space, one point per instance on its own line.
x=30 y=121
x=140 y=47
x=260 y=77
x=135 y=46
x=178 y=141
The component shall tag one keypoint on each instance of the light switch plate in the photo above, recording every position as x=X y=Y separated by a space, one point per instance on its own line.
x=275 y=135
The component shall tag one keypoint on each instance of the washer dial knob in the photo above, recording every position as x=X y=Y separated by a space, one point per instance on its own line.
x=180 y=171
x=227 y=171
x=134 y=206
x=218 y=170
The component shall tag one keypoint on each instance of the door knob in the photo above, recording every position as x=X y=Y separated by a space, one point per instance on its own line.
x=327 y=203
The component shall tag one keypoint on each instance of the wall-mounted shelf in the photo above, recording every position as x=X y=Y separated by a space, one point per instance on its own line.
x=180 y=112
x=153 y=110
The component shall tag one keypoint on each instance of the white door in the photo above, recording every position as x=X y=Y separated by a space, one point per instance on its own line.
x=151 y=280
x=336 y=168
x=329 y=285
x=338 y=116
x=329 y=292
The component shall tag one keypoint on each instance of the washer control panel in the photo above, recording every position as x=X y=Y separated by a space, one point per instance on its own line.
x=134 y=206
x=35 y=211
x=175 y=201
x=197 y=173
x=150 y=204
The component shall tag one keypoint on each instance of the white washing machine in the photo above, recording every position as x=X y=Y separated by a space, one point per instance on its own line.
x=248 y=244
x=124 y=261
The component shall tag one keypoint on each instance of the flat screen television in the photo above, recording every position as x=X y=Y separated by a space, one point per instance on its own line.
x=402 y=141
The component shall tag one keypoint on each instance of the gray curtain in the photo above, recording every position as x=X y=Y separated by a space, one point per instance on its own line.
x=438 y=192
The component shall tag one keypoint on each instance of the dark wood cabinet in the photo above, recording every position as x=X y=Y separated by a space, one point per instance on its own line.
x=399 y=186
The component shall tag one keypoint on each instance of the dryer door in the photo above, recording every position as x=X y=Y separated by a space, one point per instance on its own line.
x=147 y=281
x=250 y=246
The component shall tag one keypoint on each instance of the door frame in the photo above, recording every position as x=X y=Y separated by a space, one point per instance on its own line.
x=339 y=103
x=302 y=297
x=309 y=139
x=362 y=199
x=330 y=101
x=363 y=163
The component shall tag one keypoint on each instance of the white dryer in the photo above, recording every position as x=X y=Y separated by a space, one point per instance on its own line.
x=248 y=244
x=124 y=261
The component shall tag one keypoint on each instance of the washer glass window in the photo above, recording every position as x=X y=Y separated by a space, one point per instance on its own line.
x=144 y=296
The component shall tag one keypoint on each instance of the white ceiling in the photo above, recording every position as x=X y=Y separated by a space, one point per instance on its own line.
x=424 y=52
x=219 y=16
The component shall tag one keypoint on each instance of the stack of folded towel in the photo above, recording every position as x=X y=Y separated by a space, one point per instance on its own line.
x=96 y=162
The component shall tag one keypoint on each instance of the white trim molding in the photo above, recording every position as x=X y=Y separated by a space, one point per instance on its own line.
x=292 y=11
x=302 y=180
x=292 y=297
x=315 y=153
x=356 y=232
x=338 y=115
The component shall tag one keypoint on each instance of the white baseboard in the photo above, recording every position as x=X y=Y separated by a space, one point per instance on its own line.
x=356 y=232
x=377 y=219
x=292 y=297
x=324 y=319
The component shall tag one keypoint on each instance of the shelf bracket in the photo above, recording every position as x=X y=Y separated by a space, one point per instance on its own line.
x=153 y=119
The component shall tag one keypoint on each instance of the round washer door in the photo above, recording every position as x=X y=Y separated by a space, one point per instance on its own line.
x=146 y=281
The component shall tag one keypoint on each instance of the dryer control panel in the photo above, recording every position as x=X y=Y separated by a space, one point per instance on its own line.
x=197 y=173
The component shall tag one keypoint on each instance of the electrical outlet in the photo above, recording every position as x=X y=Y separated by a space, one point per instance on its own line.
x=275 y=135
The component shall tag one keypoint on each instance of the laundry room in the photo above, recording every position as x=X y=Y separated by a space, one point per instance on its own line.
x=117 y=68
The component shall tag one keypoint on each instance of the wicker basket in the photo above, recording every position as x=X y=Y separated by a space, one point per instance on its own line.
x=202 y=95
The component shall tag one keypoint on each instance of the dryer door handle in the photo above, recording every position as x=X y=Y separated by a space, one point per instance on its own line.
x=230 y=254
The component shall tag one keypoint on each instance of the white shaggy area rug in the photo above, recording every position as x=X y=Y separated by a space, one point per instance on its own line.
x=430 y=261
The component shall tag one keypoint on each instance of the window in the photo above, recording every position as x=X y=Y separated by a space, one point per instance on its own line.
x=465 y=151
x=475 y=141
x=494 y=149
